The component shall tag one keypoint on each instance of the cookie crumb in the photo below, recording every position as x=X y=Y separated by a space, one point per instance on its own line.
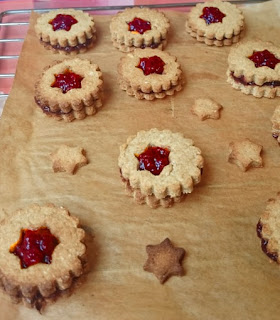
x=164 y=260
x=206 y=109
x=245 y=154
x=68 y=159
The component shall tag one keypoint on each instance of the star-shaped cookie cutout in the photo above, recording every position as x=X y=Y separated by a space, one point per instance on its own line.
x=245 y=154
x=164 y=260
x=206 y=109
x=68 y=159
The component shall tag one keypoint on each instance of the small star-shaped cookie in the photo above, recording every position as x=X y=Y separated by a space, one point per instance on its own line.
x=164 y=260
x=68 y=159
x=206 y=109
x=245 y=154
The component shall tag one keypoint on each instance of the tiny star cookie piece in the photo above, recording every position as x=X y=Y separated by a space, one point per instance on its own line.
x=139 y=28
x=66 y=31
x=42 y=252
x=245 y=154
x=268 y=229
x=206 y=108
x=150 y=74
x=164 y=260
x=68 y=159
x=70 y=89
x=275 y=119
x=254 y=68
x=159 y=167
x=218 y=23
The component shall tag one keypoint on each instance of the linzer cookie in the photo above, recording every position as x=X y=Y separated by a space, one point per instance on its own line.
x=70 y=89
x=164 y=260
x=150 y=74
x=218 y=23
x=139 y=28
x=268 y=229
x=66 y=31
x=42 y=252
x=253 y=68
x=275 y=119
x=159 y=167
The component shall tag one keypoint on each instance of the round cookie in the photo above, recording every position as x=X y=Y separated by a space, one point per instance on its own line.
x=139 y=28
x=254 y=68
x=216 y=23
x=70 y=89
x=149 y=74
x=35 y=283
x=268 y=229
x=166 y=180
x=66 y=31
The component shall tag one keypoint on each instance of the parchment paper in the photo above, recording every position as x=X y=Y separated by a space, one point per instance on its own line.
x=227 y=276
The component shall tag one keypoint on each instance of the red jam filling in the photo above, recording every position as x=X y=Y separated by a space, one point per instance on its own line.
x=151 y=65
x=63 y=22
x=139 y=25
x=264 y=58
x=35 y=246
x=67 y=80
x=212 y=15
x=153 y=159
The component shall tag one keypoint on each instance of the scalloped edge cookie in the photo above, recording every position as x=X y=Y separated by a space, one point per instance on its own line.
x=268 y=229
x=76 y=103
x=77 y=40
x=223 y=33
x=39 y=283
x=244 y=76
x=275 y=119
x=126 y=41
x=132 y=79
x=176 y=179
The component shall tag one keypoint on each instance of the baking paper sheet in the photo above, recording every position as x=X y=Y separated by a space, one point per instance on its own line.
x=227 y=276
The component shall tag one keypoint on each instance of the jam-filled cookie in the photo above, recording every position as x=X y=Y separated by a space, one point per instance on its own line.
x=42 y=253
x=70 y=89
x=139 y=28
x=218 y=23
x=149 y=74
x=254 y=68
x=275 y=119
x=268 y=229
x=159 y=167
x=67 y=31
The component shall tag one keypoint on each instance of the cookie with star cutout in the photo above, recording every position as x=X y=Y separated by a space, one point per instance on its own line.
x=42 y=254
x=68 y=159
x=139 y=28
x=218 y=23
x=70 y=89
x=245 y=154
x=66 y=31
x=164 y=260
x=275 y=119
x=254 y=68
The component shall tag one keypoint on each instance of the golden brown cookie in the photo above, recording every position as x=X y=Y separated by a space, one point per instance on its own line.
x=139 y=28
x=206 y=109
x=66 y=31
x=71 y=89
x=164 y=260
x=245 y=154
x=275 y=119
x=149 y=74
x=68 y=159
x=42 y=253
x=254 y=68
x=159 y=167
x=216 y=23
x=268 y=229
